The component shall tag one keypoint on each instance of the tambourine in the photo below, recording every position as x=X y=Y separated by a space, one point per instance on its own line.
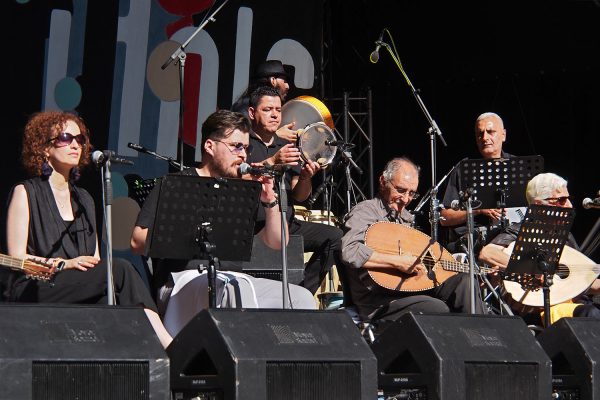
x=305 y=110
x=313 y=144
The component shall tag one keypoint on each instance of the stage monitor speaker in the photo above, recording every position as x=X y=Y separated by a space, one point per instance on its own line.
x=460 y=356
x=272 y=355
x=573 y=345
x=80 y=352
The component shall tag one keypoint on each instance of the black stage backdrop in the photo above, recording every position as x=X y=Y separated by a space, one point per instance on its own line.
x=535 y=63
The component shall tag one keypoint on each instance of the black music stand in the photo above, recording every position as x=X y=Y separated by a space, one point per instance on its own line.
x=494 y=183
x=540 y=242
x=138 y=188
x=499 y=182
x=204 y=218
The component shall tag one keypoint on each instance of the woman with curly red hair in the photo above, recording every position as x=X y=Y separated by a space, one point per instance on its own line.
x=50 y=218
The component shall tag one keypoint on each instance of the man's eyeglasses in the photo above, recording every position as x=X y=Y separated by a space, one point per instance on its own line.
x=236 y=148
x=65 y=138
x=411 y=193
x=559 y=200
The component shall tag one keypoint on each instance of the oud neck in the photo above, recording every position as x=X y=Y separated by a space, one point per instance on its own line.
x=460 y=267
x=12 y=262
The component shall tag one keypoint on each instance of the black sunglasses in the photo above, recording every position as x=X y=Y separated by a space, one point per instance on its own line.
x=65 y=138
x=559 y=200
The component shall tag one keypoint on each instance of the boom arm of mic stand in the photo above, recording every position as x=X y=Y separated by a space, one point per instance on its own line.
x=433 y=125
x=160 y=157
x=348 y=157
x=181 y=48
x=436 y=187
x=433 y=131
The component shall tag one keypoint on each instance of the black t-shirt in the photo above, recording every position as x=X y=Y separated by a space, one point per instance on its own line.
x=453 y=189
x=260 y=152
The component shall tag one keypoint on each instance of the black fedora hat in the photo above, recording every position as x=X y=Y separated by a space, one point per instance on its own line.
x=270 y=68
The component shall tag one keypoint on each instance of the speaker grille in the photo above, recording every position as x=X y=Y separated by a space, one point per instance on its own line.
x=501 y=381
x=90 y=380
x=295 y=276
x=288 y=380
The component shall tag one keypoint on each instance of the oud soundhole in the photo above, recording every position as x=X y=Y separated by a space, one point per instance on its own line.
x=429 y=263
x=562 y=271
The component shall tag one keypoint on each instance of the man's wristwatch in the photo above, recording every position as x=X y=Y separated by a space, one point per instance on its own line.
x=271 y=204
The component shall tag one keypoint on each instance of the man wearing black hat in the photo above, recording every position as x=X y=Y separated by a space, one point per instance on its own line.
x=268 y=73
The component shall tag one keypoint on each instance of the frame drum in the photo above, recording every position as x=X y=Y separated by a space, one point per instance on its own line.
x=312 y=143
x=305 y=110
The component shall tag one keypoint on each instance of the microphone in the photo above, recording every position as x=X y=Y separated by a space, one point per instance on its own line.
x=316 y=194
x=137 y=147
x=589 y=203
x=463 y=196
x=339 y=143
x=415 y=213
x=102 y=157
x=374 y=57
x=265 y=170
x=455 y=205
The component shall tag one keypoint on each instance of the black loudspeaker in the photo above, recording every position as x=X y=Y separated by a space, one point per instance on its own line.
x=272 y=355
x=80 y=352
x=266 y=262
x=573 y=345
x=459 y=356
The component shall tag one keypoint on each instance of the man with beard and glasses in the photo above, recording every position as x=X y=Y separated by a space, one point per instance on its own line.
x=181 y=289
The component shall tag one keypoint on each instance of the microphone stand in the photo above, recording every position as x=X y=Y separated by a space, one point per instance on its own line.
x=179 y=54
x=471 y=252
x=347 y=156
x=279 y=177
x=326 y=188
x=328 y=182
x=466 y=204
x=433 y=131
x=107 y=196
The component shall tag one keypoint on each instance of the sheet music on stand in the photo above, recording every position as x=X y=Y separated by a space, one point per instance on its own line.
x=538 y=248
x=500 y=182
x=186 y=202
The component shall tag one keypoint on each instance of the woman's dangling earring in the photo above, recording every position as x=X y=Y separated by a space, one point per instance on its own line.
x=75 y=174
x=46 y=169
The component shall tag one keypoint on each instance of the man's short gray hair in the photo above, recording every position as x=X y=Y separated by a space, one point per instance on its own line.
x=541 y=186
x=394 y=165
x=488 y=115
